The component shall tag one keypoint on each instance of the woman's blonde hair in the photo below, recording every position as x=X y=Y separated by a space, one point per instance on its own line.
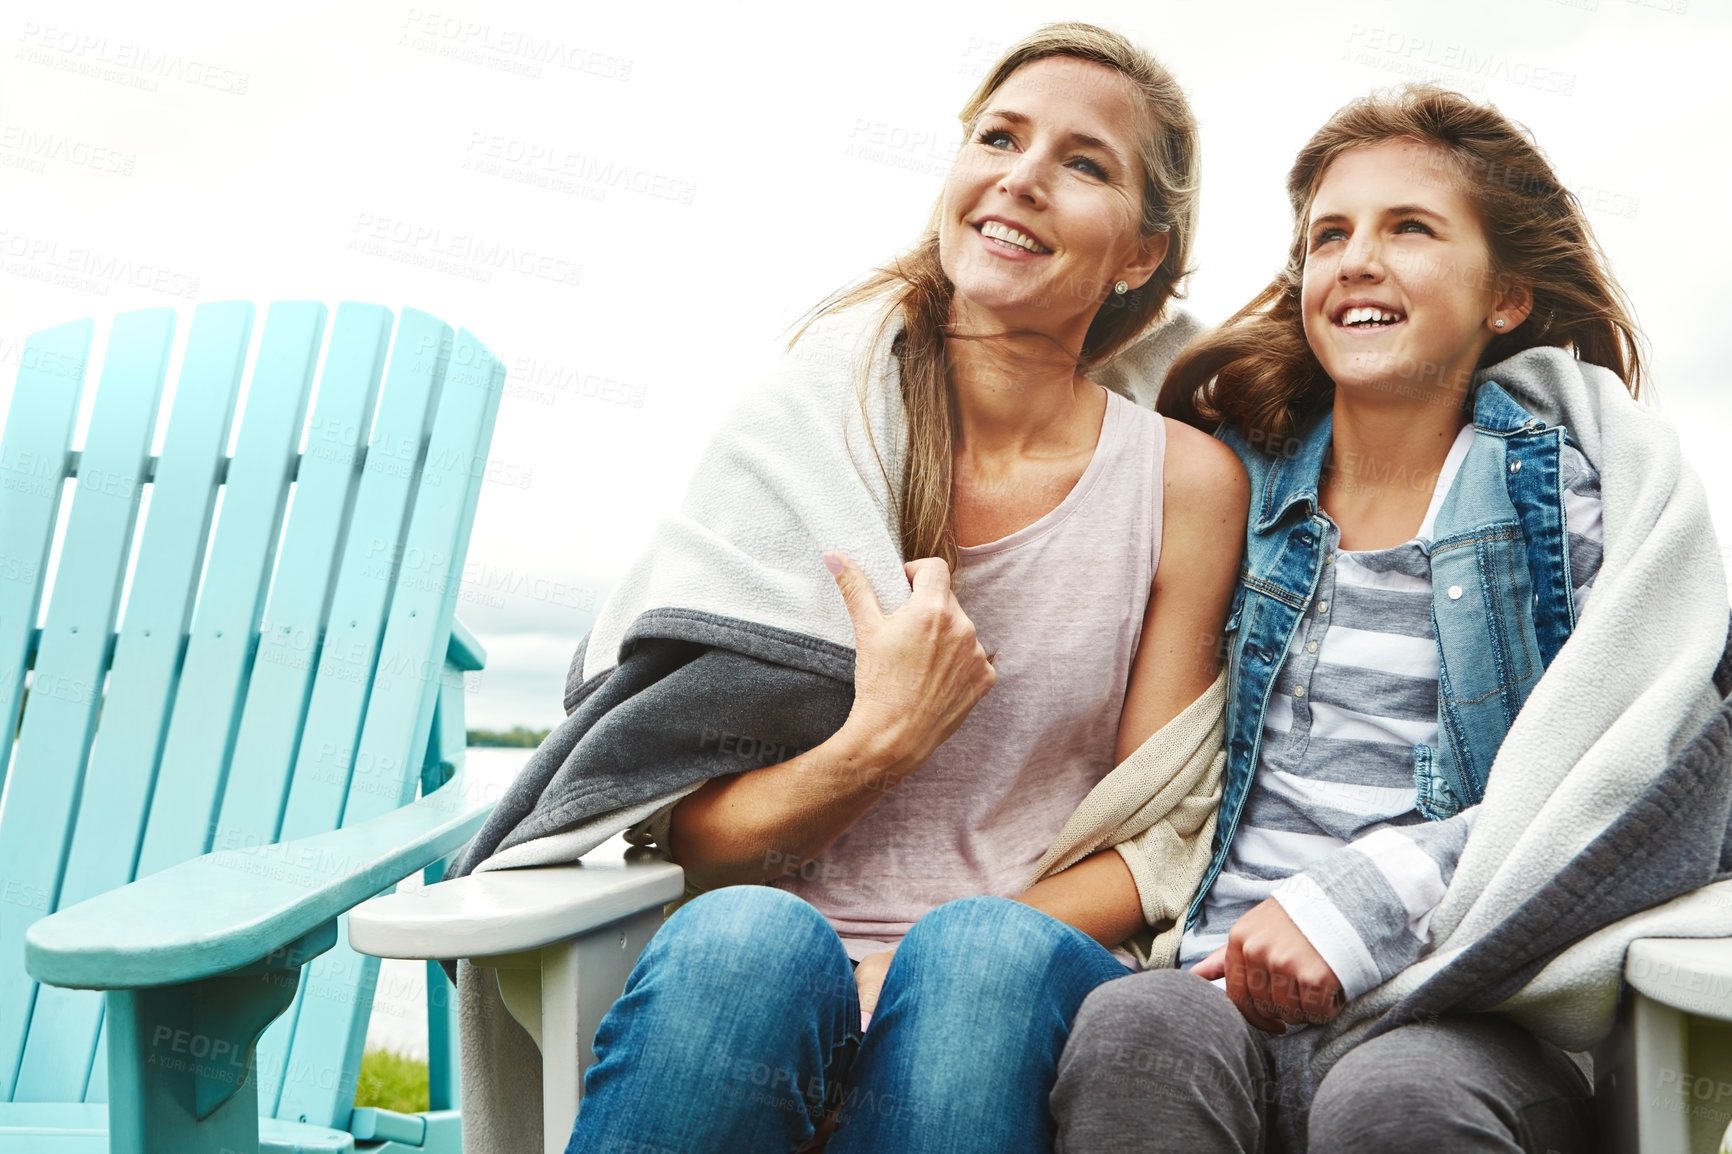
x=915 y=282
x=1258 y=371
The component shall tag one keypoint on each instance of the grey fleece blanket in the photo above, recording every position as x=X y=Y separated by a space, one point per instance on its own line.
x=1606 y=814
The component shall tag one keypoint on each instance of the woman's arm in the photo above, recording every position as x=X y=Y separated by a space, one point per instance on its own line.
x=1205 y=499
x=917 y=674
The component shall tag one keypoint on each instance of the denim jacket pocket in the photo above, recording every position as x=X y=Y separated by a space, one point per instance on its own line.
x=1433 y=795
x=1489 y=660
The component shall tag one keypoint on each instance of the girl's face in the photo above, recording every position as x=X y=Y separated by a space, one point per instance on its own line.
x=1042 y=211
x=1399 y=294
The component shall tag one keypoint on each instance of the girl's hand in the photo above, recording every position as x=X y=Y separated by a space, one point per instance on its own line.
x=1274 y=974
x=869 y=977
x=918 y=671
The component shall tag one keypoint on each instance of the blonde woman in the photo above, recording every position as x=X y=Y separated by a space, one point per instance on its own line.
x=1093 y=547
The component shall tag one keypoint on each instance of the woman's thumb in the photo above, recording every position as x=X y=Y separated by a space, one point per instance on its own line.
x=857 y=593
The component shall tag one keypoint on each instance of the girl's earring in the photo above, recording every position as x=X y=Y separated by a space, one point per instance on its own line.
x=1498 y=322
x=1122 y=288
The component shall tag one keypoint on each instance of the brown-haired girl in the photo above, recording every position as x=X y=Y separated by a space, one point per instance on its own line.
x=1423 y=399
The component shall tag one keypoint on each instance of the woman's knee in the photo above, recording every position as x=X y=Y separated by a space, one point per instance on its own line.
x=750 y=940
x=959 y=934
x=736 y=925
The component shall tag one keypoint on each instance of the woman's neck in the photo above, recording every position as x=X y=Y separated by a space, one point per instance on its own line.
x=1018 y=394
x=1383 y=467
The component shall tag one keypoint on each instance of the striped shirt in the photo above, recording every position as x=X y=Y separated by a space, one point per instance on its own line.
x=1331 y=827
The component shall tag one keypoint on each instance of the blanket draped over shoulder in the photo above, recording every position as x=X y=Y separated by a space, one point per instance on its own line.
x=726 y=646
x=1605 y=818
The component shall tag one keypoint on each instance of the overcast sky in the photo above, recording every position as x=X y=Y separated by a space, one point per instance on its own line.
x=683 y=180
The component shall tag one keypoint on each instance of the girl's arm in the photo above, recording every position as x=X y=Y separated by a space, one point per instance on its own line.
x=1205 y=500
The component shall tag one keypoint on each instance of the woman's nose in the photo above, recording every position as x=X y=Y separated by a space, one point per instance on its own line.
x=1023 y=178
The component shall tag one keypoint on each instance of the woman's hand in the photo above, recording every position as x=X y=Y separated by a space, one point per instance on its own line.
x=869 y=978
x=1274 y=974
x=918 y=671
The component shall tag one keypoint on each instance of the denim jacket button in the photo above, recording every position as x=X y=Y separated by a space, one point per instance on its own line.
x=1455 y=592
x=1515 y=466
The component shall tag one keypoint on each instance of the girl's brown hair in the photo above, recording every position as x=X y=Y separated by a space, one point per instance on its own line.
x=1257 y=370
x=921 y=293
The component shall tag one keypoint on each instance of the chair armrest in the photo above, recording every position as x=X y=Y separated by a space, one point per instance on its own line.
x=222 y=911
x=1689 y=974
x=512 y=911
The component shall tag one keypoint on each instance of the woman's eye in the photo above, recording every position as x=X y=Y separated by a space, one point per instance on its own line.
x=994 y=137
x=1324 y=236
x=1413 y=226
x=1084 y=164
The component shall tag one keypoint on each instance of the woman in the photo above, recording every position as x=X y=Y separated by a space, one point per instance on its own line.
x=1421 y=546
x=1093 y=546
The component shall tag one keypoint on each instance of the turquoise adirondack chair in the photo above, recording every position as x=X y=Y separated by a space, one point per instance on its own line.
x=284 y=679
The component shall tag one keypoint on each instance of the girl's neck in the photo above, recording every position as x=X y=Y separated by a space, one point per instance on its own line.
x=1383 y=466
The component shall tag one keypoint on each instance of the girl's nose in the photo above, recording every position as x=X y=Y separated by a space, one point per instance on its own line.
x=1361 y=258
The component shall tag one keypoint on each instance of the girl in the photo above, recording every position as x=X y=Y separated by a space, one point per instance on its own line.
x=1421 y=544
x=1094 y=546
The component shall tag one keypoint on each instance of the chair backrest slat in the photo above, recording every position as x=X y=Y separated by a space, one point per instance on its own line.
x=343 y=680
x=33 y=456
x=386 y=769
x=282 y=674
x=219 y=649
x=71 y=659
x=123 y=755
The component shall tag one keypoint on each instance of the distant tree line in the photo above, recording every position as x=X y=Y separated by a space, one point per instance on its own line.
x=517 y=737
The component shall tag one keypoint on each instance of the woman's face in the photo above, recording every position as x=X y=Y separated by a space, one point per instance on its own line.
x=1042 y=211
x=1399 y=292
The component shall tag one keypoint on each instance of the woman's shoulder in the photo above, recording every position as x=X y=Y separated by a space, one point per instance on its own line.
x=1202 y=476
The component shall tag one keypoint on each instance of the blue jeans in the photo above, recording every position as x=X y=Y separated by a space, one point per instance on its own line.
x=739 y=1029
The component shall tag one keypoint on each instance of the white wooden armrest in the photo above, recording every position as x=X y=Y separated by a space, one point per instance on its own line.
x=1689 y=974
x=561 y=940
x=513 y=911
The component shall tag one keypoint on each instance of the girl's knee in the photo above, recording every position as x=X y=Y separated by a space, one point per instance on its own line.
x=1168 y=1010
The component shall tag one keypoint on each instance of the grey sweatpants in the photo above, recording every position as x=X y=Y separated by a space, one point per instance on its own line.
x=1162 y=1061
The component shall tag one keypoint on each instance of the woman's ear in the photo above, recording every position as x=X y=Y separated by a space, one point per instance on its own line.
x=1515 y=301
x=1143 y=266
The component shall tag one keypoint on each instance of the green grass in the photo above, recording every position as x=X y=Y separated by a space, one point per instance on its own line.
x=390 y=1081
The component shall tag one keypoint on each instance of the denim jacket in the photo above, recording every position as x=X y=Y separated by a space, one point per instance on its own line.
x=1502 y=604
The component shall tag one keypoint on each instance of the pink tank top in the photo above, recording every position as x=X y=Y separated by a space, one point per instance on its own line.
x=1060 y=602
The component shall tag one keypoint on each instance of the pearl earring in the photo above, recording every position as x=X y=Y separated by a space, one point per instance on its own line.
x=1121 y=288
